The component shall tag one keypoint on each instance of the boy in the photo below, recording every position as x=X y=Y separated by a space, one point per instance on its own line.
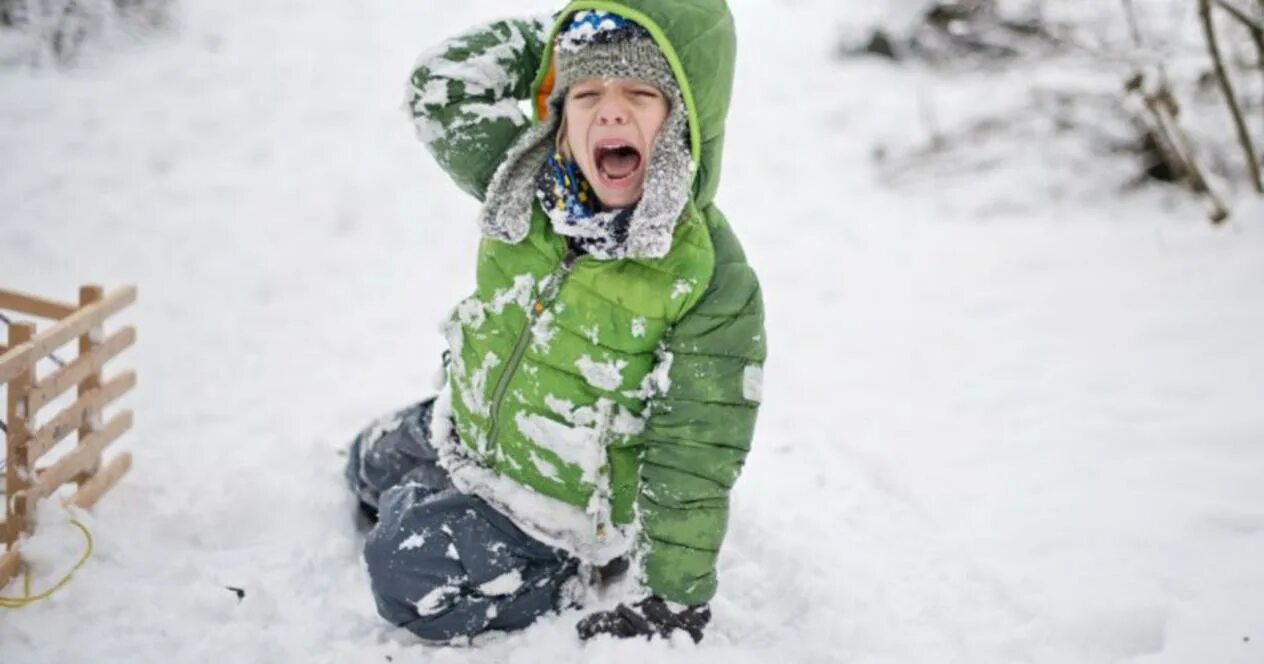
x=603 y=380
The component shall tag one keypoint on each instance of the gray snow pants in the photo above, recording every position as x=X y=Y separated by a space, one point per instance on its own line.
x=443 y=564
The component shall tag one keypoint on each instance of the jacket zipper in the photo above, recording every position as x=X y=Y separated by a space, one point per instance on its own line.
x=557 y=277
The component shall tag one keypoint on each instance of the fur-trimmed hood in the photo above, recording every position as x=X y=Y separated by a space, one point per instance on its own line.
x=698 y=42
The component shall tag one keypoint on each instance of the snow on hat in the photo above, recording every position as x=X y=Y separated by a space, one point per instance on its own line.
x=596 y=25
x=601 y=44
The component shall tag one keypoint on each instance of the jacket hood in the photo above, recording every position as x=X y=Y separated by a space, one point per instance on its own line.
x=700 y=43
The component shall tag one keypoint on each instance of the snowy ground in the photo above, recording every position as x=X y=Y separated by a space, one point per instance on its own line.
x=1005 y=422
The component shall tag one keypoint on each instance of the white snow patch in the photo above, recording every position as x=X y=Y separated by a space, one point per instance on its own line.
x=503 y=110
x=682 y=287
x=414 y=541
x=753 y=383
x=455 y=337
x=604 y=414
x=434 y=601
x=625 y=423
x=542 y=332
x=479 y=74
x=578 y=446
x=638 y=327
x=546 y=469
x=560 y=406
x=379 y=428
x=505 y=584
x=658 y=381
x=602 y=375
x=471 y=313
x=435 y=93
x=428 y=131
x=475 y=394
x=545 y=519
x=519 y=293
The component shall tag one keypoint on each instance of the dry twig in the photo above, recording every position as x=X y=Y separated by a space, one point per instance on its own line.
x=1226 y=86
x=1163 y=109
x=1253 y=24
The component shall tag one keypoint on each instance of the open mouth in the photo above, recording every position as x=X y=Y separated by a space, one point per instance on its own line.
x=617 y=162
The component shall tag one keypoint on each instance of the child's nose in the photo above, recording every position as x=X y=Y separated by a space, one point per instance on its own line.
x=611 y=112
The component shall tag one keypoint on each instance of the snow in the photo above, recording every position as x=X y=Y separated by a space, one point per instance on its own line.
x=380 y=427
x=624 y=423
x=505 y=584
x=658 y=380
x=601 y=375
x=519 y=293
x=547 y=520
x=1003 y=424
x=413 y=541
x=475 y=395
x=753 y=383
x=577 y=445
x=542 y=332
x=435 y=93
x=507 y=110
x=471 y=313
x=433 y=601
x=545 y=468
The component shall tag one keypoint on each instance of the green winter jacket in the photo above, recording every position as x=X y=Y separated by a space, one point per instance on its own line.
x=624 y=391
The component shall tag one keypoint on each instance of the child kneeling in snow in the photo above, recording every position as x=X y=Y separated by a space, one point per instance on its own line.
x=603 y=380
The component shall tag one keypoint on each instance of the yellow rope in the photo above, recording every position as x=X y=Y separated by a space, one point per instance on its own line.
x=27 y=598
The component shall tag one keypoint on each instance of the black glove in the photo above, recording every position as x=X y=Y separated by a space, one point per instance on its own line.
x=648 y=618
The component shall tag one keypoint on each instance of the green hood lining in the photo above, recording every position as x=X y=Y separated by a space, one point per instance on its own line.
x=664 y=44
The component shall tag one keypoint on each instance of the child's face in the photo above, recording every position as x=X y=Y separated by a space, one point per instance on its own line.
x=611 y=123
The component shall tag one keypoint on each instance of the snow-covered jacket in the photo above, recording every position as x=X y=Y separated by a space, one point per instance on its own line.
x=607 y=406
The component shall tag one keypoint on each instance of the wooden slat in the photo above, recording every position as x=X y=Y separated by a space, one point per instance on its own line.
x=83 y=320
x=10 y=565
x=18 y=416
x=34 y=305
x=77 y=414
x=74 y=325
x=88 y=296
x=96 y=486
x=69 y=376
x=8 y=534
x=14 y=360
x=83 y=458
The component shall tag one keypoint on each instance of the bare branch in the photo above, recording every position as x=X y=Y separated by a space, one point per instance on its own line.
x=1226 y=85
x=1175 y=142
x=1252 y=23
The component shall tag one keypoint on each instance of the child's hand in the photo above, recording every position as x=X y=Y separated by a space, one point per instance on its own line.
x=648 y=618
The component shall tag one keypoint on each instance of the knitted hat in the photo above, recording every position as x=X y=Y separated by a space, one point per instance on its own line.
x=600 y=44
